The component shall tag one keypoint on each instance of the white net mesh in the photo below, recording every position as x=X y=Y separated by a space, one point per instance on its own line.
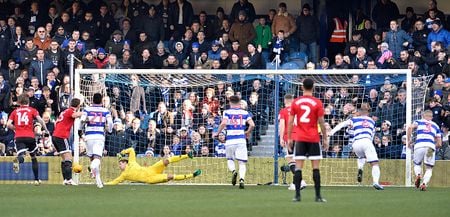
x=181 y=109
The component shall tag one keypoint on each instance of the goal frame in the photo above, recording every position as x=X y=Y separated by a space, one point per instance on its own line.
x=277 y=73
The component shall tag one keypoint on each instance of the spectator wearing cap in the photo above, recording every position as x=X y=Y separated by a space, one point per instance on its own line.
x=160 y=56
x=179 y=53
x=115 y=44
x=101 y=59
x=438 y=34
x=308 y=33
x=242 y=31
x=397 y=39
x=242 y=5
x=88 y=61
x=194 y=55
x=153 y=26
x=214 y=52
x=117 y=140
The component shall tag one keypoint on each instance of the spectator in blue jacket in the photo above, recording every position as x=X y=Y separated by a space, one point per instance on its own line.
x=438 y=34
x=397 y=39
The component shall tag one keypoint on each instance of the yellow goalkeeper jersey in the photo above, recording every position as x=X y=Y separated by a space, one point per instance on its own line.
x=137 y=173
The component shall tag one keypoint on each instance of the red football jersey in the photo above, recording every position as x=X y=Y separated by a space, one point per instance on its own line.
x=64 y=123
x=23 y=118
x=284 y=115
x=307 y=111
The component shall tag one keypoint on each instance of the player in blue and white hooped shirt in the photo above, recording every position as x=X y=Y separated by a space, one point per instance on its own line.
x=428 y=137
x=234 y=120
x=363 y=131
x=96 y=117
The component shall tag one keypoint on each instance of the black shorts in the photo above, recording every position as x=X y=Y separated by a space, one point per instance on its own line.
x=310 y=150
x=25 y=144
x=61 y=145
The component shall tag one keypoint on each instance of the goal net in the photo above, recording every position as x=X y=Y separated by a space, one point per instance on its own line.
x=166 y=112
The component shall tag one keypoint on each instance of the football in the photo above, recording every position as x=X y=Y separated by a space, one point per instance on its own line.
x=77 y=168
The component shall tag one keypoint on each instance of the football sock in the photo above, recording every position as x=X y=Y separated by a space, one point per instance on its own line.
x=35 y=166
x=20 y=159
x=316 y=178
x=177 y=158
x=242 y=170
x=427 y=175
x=182 y=177
x=292 y=167
x=231 y=165
x=63 y=171
x=67 y=169
x=361 y=162
x=417 y=170
x=375 y=174
x=95 y=168
x=297 y=180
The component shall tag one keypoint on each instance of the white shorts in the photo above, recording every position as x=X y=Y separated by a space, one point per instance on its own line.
x=95 y=147
x=236 y=152
x=364 y=148
x=425 y=154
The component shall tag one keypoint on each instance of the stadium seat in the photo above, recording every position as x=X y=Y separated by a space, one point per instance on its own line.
x=298 y=55
x=290 y=65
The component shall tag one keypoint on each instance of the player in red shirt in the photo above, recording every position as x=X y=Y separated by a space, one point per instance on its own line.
x=61 y=136
x=21 y=121
x=283 y=120
x=306 y=112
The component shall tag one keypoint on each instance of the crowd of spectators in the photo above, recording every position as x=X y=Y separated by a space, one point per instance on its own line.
x=37 y=37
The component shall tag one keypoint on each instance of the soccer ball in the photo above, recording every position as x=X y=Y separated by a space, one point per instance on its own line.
x=77 y=168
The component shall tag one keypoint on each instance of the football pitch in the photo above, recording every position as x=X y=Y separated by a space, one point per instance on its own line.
x=217 y=201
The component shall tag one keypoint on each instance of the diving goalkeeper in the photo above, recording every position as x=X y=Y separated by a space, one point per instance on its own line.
x=132 y=171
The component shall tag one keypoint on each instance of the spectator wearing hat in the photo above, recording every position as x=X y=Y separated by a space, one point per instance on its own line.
x=242 y=31
x=194 y=55
x=214 y=52
x=308 y=33
x=102 y=58
x=242 y=5
x=115 y=44
x=160 y=56
x=153 y=26
x=438 y=34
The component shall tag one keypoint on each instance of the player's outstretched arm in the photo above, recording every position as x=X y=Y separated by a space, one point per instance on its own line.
x=116 y=181
x=39 y=119
x=339 y=127
x=131 y=154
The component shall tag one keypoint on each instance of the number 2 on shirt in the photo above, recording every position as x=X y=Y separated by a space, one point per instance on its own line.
x=96 y=118
x=305 y=116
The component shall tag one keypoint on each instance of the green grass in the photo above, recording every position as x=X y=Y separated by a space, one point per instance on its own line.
x=217 y=201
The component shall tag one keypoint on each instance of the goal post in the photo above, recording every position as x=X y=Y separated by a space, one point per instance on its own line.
x=161 y=87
